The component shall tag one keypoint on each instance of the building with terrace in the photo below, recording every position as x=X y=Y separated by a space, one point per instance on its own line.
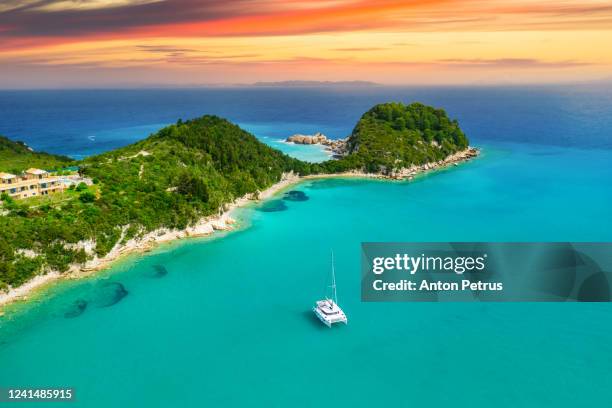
x=32 y=183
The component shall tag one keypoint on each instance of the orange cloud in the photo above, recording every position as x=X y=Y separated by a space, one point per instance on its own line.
x=40 y=22
x=227 y=41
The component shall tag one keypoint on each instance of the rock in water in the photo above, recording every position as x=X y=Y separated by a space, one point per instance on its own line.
x=76 y=309
x=317 y=138
x=109 y=293
x=295 y=195
x=273 y=206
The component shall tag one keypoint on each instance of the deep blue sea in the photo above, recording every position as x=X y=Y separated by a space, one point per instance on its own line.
x=79 y=122
x=228 y=322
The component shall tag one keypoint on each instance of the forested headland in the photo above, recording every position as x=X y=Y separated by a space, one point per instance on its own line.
x=184 y=172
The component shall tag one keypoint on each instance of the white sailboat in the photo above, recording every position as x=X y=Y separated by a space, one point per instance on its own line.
x=327 y=310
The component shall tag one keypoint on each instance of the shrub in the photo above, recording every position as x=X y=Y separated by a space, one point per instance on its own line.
x=87 y=197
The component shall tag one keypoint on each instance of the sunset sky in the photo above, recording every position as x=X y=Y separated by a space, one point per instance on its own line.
x=100 y=43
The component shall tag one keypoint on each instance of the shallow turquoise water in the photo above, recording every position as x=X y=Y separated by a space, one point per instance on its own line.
x=311 y=153
x=230 y=323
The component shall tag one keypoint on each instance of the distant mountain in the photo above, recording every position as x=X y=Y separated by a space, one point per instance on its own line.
x=298 y=84
x=17 y=156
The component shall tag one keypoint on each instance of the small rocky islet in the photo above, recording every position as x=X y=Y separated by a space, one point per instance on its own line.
x=338 y=148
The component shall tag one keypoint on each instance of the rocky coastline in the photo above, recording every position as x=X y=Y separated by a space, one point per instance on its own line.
x=409 y=173
x=453 y=159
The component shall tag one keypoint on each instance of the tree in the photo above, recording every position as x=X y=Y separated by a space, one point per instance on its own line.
x=193 y=187
x=87 y=197
x=7 y=199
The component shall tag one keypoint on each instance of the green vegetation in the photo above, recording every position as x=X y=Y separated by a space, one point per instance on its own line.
x=171 y=179
x=16 y=157
x=53 y=200
x=393 y=136
x=182 y=173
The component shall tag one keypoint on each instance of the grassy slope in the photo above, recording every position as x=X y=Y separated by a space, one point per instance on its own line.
x=16 y=157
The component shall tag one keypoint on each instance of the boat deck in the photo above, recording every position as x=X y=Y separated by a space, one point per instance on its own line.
x=329 y=312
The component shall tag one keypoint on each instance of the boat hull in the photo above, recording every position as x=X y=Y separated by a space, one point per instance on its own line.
x=330 y=320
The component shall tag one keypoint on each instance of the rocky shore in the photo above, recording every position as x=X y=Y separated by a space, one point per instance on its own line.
x=453 y=159
x=410 y=172
x=337 y=147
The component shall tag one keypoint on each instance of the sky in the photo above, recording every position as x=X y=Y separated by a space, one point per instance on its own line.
x=133 y=43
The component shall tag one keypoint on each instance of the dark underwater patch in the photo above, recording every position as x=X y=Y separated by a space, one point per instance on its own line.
x=109 y=293
x=595 y=288
x=273 y=206
x=157 y=271
x=76 y=309
x=335 y=183
x=295 y=195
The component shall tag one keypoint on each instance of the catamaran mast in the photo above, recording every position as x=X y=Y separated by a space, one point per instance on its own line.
x=334 y=293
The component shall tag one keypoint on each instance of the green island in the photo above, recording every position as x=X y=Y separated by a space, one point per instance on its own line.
x=187 y=171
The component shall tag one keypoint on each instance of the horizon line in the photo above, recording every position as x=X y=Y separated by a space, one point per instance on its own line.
x=352 y=84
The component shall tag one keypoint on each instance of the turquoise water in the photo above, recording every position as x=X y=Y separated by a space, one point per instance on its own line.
x=230 y=323
x=311 y=153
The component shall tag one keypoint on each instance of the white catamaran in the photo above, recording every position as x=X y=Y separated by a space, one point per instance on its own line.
x=327 y=310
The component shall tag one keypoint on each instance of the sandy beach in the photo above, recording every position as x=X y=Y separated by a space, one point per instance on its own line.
x=206 y=226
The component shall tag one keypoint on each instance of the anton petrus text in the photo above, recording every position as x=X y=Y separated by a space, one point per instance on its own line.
x=477 y=271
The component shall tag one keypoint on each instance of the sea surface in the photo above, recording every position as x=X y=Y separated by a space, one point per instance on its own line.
x=227 y=321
